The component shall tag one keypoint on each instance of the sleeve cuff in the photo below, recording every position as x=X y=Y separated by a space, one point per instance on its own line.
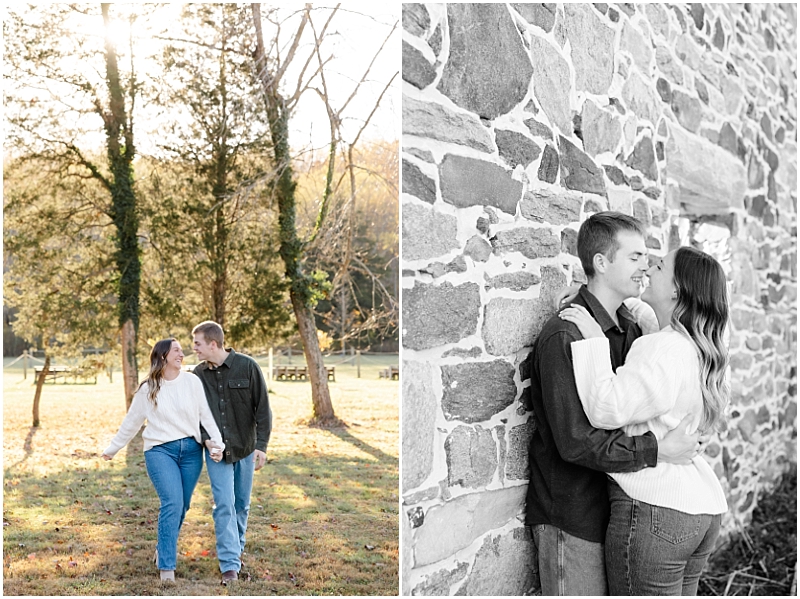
x=647 y=445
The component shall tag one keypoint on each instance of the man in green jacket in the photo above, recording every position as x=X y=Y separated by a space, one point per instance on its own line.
x=237 y=395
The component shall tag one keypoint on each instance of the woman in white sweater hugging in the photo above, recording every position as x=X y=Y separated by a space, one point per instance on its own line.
x=174 y=404
x=664 y=520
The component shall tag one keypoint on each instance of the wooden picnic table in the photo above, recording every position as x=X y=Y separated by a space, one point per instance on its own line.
x=298 y=373
x=63 y=372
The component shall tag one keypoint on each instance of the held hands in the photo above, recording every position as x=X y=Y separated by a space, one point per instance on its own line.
x=214 y=450
x=260 y=458
x=107 y=457
x=678 y=447
x=579 y=316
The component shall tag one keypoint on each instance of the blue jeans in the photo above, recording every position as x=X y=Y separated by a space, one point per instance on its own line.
x=174 y=468
x=569 y=565
x=652 y=550
x=231 y=485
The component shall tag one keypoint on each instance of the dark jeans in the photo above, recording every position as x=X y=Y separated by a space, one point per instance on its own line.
x=569 y=565
x=652 y=550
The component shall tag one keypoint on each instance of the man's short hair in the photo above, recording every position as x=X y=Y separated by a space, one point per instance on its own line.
x=211 y=331
x=598 y=235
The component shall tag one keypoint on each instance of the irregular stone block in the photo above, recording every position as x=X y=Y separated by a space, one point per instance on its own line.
x=549 y=165
x=569 y=242
x=530 y=242
x=434 y=315
x=417 y=183
x=420 y=406
x=424 y=155
x=471 y=456
x=516 y=148
x=473 y=78
x=616 y=175
x=456 y=524
x=551 y=83
x=578 y=171
x=633 y=41
x=457 y=352
x=478 y=249
x=641 y=98
x=416 y=68
x=435 y=40
x=667 y=64
x=687 y=109
x=538 y=129
x=601 y=129
x=511 y=324
x=469 y=182
x=555 y=208
x=416 y=19
x=427 y=233
x=476 y=391
x=505 y=565
x=515 y=281
x=519 y=440
x=643 y=158
x=700 y=188
x=542 y=15
x=434 y=121
x=592 y=43
x=440 y=582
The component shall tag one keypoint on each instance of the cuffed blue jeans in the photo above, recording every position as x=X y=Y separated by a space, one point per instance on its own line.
x=231 y=485
x=173 y=468
x=652 y=550
x=569 y=565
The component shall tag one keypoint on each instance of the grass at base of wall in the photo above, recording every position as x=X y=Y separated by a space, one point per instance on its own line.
x=760 y=560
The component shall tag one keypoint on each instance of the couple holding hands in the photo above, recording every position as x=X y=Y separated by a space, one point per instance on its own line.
x=223 y=405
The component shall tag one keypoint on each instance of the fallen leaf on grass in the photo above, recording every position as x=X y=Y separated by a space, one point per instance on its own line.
x=369 y=547
x=31 y=556
x=275 y=527
x=72 y=564
x=204 y=552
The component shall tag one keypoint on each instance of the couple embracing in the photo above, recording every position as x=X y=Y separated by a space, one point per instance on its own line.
x=223 y=405
x=620 y=500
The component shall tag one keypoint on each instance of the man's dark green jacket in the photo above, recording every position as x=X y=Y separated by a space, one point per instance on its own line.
x=237 y=395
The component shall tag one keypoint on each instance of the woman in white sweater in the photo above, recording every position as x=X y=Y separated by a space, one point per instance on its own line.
x=174 y=404
x=664 y=520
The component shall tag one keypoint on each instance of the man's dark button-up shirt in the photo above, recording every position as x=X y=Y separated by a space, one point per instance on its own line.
x=569 y=458
x=237 y=395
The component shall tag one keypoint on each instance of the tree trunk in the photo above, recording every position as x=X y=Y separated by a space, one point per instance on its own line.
x=38 y=394
x=130 y=371
x=317 y=373
x=120 y=148
x=291 y=247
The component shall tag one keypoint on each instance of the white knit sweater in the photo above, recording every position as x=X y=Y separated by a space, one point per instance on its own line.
x=656 y=387
x=181 y=408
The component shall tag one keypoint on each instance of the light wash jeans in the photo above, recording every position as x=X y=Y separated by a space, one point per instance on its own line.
x=173 y=468
x=569 y=565
x=652 y=550
x=231 y=485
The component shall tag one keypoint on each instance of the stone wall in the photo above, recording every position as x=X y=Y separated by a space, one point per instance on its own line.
x=519 y=120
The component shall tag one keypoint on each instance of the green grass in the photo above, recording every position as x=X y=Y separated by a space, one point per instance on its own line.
x=324 y=511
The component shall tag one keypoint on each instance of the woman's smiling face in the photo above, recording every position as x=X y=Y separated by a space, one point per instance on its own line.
x=661 y=289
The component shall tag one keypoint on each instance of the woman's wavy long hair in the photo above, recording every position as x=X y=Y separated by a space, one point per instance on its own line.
x=158 y=359
x=701 y=313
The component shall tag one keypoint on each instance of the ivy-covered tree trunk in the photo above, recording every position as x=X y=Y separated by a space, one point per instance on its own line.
x=291 y=247
x=39 y=384
x=120 y=148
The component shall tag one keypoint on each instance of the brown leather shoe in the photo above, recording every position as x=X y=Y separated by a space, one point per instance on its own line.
x=229 y=576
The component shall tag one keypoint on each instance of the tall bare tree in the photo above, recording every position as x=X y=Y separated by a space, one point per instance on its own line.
x=272 y=71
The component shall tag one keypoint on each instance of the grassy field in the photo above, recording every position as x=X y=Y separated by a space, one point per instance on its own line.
x=323 y=518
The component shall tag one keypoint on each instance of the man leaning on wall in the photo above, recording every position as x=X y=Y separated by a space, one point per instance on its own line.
x=567 y=501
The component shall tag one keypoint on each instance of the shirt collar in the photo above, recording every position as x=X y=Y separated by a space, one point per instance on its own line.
x=601 y=315
x=227 y=362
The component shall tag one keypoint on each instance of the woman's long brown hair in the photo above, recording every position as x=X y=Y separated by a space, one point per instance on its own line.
x=158 y=360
